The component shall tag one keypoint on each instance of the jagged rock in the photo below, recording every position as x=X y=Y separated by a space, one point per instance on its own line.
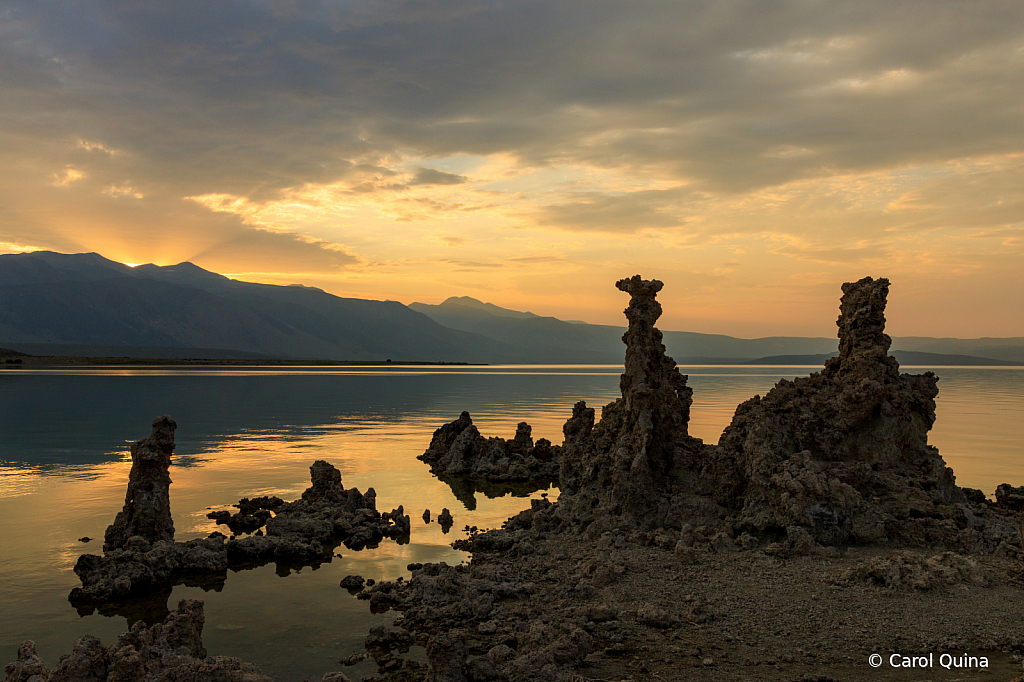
x=141 y=567
x=445 y=520
x=839 y=456
x=171 y=650
x=905 y=569
x=251 y=516
x=974 y=496
x=383 y=639
x=458 y=450
x=305 y=531
x=147 y=503
x=353 y=583
x=1009 y=497
x=446 y=656
x=402 y=522
x=28 y=667
x=626 y=469
x=844 y=452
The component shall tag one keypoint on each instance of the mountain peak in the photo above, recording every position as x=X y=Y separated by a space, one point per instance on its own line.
x=489 y=308
x=185 y=269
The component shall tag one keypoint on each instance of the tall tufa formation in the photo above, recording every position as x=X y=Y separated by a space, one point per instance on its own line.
x=147 y=503
x=655 y=394
x=624 y=470
x=843 y=454
x=863 y=343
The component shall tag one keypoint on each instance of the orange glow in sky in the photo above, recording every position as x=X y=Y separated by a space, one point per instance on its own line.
x=753 y=158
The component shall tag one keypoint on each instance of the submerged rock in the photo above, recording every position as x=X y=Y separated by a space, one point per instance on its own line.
x=147 y=503
x=457 y=450
x=171 y=650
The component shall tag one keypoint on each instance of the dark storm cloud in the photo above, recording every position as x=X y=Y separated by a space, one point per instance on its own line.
x=252 y=97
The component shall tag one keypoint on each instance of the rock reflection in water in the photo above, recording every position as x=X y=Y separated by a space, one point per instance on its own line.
x=465 y=489
x=140 y=554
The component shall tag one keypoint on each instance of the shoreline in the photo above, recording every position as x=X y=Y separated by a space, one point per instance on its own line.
x=46 y=362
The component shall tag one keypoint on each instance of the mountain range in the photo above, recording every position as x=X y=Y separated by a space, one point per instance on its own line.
x=84 y=304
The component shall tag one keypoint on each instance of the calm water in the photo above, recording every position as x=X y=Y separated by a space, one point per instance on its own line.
x=64 y=463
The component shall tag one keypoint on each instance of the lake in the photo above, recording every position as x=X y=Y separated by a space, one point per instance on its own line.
x=243 y=432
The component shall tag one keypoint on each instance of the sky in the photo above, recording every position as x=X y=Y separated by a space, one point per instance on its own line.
x=752 y=155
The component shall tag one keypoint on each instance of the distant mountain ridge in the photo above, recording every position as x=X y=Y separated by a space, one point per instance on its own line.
x=904 y=357
x=88 y=301
x=471 y=315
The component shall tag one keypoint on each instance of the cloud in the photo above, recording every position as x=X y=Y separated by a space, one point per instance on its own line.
x=242 y=97
x=430 y=176
x=266 y=252
x=610 y=213
x=67 y=176
x=328 y=136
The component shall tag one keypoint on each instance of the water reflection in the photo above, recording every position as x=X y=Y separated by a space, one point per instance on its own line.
x=465 y=489
x=250 y=433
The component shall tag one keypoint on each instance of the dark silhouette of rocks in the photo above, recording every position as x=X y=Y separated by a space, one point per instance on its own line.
x=147 y=503
x=303 y=532
x=252 y=514
x=627 y=468
x=445 y=520
x=837 y=458
x=353 y=583
x=840 y=456
x=844 y=452
x=458 y=451
x=171 y=650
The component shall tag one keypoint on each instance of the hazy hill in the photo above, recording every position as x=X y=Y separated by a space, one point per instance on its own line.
x=86 y=299
x=605 y=341
x=471 y=315
x=904 y=357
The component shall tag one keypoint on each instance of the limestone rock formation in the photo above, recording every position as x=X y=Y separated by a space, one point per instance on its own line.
x=28 y=667
x=844 y=452
x=251 y=516
x=457 y=450
x=172 y=650
x=305 y=531
x=1009 y=497
x=147 y=503
x=840 y=456
x=637 y=466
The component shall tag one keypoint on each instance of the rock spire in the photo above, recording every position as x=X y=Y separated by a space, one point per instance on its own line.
x=147 y=503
